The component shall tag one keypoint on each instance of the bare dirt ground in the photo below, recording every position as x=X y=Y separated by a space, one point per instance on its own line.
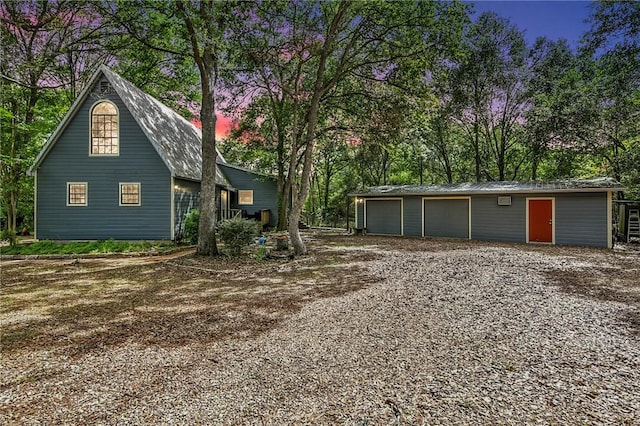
x=365 y=330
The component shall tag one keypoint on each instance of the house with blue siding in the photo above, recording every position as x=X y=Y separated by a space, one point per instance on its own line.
x=123 y=165
x=571 y=212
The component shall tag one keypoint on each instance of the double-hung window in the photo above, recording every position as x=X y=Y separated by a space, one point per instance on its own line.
x=76 y=193
x=130 y=194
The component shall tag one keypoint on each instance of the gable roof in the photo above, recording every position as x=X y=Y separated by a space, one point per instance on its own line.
x=177 y=141
x=505 y=187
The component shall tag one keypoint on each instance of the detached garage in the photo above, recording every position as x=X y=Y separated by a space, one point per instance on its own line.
x=575 y=211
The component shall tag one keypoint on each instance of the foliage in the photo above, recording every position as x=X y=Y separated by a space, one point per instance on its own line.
x=191 y=223
x=9 y=235
x=260 y=254
x=312 y=62
x=89 y=247
x=335 y=96
x=238 y=233
x=41 y=44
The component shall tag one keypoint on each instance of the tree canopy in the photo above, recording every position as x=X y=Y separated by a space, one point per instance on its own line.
x=333 y=96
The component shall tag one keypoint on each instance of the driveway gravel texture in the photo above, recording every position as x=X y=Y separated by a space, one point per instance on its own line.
x=364 y=330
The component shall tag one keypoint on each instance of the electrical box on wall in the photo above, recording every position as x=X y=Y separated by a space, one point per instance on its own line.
x=504 y=200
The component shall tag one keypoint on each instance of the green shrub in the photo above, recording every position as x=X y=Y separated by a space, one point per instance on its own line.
x=9 y=236
x=261 y=253
x=191 y=222
x=238 y=233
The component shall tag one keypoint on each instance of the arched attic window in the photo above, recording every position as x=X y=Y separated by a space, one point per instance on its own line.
x=104 y=129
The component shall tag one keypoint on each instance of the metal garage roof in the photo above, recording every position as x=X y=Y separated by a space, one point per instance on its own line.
x=602 y=184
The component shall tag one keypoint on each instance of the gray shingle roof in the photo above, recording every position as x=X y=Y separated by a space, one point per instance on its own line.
x=177 y=141
x=567 y=185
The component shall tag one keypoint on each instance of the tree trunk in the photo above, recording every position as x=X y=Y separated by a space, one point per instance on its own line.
x=476 y=148
x=283 y=201
x=284 y=188
x=311 y=119
x=208 y=215
x=207 y=62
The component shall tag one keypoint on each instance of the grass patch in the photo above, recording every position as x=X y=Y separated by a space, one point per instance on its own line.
x=85 y=247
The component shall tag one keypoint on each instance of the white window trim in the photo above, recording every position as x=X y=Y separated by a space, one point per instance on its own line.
x=245 y=190
x=86 y=194
x=91 y=154
x=120 y=203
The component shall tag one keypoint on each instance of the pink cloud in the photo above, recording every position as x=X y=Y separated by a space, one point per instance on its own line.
x=223 y=125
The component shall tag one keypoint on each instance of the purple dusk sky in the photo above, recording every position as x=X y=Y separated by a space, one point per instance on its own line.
x=553 y=19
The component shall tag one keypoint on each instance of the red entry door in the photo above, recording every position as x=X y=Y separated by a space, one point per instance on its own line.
x=540 y=221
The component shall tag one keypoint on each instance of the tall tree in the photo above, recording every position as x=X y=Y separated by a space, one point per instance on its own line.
x=554 y=88
x=205 y=23
x=47 y=46
x=319 y=46
x=491 y=94
x=613 y=47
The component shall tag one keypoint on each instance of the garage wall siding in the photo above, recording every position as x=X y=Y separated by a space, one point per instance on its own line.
x=413 y=216
x=581 y=219
x=492 y=222
x=359 y=215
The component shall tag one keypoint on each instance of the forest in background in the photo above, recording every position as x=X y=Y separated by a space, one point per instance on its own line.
x=332 y=97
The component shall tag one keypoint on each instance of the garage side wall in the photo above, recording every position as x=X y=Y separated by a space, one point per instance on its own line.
x=360 y=213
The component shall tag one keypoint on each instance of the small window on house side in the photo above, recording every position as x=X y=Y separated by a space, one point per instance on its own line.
x=104 y=129
x=76 y=193
x=245 y=197
x=129 y=194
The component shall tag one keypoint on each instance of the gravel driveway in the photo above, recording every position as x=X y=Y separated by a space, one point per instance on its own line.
x=474 y=334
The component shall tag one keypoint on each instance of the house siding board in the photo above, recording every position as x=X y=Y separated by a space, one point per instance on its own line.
x=581 y=219
x=492 y=222
x=446 y=218
x=383 y=217
x=265 y=192
x=103 y=218
x=412 y=210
